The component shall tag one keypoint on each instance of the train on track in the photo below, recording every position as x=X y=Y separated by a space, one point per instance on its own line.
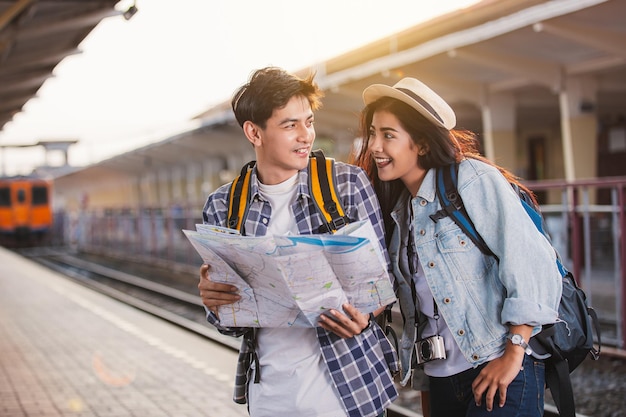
x=25 y=210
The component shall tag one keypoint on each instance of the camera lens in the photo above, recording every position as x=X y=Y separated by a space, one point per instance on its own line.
x=425 y=349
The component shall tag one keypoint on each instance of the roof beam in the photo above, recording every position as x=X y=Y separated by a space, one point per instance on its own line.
x=26 y=82
x=10 y=105
x=595 y=65
x=474 y=35
x=604 y=40
x=68 y=23
x=513 y=83
x=12 y=12
x=35 y=60
x=538 y=71
x=455 y=90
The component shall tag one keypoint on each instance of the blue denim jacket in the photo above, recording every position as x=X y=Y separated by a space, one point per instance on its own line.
x=477 y=296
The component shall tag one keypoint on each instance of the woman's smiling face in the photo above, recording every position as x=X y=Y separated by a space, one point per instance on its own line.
x=394 y=151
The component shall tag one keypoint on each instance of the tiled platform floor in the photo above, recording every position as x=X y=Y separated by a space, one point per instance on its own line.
x=68 y=351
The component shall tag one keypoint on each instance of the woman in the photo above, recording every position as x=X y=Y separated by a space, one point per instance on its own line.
x=469 y=314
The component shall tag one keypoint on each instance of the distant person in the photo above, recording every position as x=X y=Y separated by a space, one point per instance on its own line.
x=341 y=368
x=468 y=316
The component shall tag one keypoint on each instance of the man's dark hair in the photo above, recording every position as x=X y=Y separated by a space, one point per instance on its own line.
x=271 y=88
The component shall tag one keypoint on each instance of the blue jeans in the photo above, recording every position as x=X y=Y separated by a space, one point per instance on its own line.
x=452 y=396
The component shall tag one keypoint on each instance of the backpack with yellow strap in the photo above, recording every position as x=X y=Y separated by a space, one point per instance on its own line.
x=324 y=191
x=321 y=184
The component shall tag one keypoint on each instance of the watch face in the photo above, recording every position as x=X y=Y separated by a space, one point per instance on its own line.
x=518 y=340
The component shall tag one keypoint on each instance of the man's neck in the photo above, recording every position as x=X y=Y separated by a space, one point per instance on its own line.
x=274 y=176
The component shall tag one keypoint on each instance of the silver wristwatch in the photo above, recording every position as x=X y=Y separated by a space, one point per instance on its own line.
x=518 y=340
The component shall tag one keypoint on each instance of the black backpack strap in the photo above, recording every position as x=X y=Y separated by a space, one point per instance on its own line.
x=238 y=199
x=384 y=321
x=453 y=207
x=560 y=385
x=557 y=371
x=595 y=353
x=324 y=192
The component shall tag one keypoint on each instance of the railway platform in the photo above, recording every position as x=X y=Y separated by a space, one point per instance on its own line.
x=66 y=350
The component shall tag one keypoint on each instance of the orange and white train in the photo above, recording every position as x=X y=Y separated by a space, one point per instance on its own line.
x=25 y=208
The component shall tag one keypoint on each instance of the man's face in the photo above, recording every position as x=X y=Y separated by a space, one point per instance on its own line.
x=283 y=147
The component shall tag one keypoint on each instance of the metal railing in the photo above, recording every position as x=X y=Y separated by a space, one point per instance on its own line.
x=587 y=228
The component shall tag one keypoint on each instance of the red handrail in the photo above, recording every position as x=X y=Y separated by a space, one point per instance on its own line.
x=572 y=188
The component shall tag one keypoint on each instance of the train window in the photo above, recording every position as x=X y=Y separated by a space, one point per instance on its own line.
x=40 y=196
x=5 y=197
x=21 y=195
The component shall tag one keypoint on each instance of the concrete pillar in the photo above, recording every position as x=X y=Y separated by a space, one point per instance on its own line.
x=165 y=194
x=498 y=117
x=192 y=184
x=178 y=192
x=584 y=137
x=210 y=176
x=579 y=126
x=146 y=190
x=128 y=196
x=137 y=191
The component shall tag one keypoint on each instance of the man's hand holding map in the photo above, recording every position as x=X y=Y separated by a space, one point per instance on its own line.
x=290 y=280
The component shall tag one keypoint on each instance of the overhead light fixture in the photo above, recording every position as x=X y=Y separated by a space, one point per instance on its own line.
x=128 y=14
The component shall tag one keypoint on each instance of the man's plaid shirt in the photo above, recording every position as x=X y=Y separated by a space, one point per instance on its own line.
x=361 y=366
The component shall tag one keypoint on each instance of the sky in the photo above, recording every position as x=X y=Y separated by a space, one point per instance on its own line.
x=143 y=80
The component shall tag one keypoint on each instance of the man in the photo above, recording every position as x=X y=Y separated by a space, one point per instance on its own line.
x=341 y=368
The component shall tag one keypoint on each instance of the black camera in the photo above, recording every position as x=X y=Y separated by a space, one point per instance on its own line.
x=430 y=349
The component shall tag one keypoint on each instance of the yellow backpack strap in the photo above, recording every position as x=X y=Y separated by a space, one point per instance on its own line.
x=238 y=199
x=324 y=191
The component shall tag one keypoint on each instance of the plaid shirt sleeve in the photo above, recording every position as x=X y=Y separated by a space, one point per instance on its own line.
x=215 y=211
x=361 y=368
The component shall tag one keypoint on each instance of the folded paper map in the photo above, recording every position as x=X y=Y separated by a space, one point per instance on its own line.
x=290 y=280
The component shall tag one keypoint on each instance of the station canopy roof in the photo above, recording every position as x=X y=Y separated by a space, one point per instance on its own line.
x=525 y=49
x=35 y=35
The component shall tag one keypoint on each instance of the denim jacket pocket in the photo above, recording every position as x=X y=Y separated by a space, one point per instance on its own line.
x=463 y=257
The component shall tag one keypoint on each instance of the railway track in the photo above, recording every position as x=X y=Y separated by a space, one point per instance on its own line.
x=176 y=306
x=175 y=302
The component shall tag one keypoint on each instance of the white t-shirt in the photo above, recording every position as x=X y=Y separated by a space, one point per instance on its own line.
x=294 y=377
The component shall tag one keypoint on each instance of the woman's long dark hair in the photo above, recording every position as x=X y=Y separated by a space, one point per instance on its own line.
x=443 y=147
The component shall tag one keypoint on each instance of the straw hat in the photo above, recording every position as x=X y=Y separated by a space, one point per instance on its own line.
x=417 y=95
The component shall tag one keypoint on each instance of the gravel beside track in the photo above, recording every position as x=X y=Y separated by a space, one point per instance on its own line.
x=600 y=386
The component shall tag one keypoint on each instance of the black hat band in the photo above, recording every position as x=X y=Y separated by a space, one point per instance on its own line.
x=424 y=104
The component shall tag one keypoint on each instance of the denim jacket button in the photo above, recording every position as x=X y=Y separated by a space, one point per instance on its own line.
x=461 y=332
x=475 y=357
x=422 y=232
x=447 y=300
x=431 y=264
